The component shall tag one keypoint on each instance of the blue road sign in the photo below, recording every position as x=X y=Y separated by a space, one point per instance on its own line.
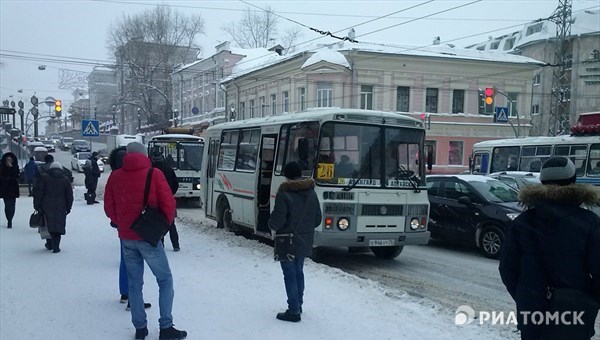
x=501 y=115
x=195 y=110
x=90 y=128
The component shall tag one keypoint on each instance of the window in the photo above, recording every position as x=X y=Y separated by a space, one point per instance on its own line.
x=514 y=103
x=494 y=45
x=481 y=48
x=248 y=150
x=302 y=98
x=594 y=163
x=455 y=153
x=298 y=142
x=455 y=190
x=537 y=79
x=263 y=106
x=273 y=104
x=458 y=101
x=509 y=44
x=535 y=109
x=285 y=104
x=242 y=114
x=366 y=97
x=402 y=98
x=532 y=157
x=227 y=151
x=430 y=151
x=431 y=100
x=433 y=187
x=576 y=153
x=505 y=158
x=251 y=108
x=324 y=94
x=534 y=29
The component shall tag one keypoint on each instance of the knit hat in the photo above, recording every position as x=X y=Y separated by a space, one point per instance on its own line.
x=94 y=154
x=55 y=165
x=559 y=171
x=48 y=158
x=136 y=147
x=292 y=170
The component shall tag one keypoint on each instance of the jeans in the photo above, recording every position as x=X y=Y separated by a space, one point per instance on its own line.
x=135 y=253
x=123 y=282
x=293 y=277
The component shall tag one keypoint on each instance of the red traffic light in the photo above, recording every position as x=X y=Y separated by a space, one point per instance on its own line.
x=489 y=92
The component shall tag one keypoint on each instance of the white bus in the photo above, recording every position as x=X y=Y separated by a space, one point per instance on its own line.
x=528 y=154
x=184 y=154
x=343 y=150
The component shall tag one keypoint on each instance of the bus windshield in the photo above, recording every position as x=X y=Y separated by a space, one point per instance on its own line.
x=179 y=155
x=369 y=156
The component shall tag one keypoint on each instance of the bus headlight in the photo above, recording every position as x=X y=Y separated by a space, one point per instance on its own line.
x=414 y=224
x=343 y=223
x=197 y=186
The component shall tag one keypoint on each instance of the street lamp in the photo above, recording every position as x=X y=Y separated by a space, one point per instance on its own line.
x=175 y=115
x=139 y=119
x=95 y=112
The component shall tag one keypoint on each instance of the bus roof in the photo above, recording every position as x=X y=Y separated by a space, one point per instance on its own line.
x=349 y=115
x=177 y=137
x=541 y=140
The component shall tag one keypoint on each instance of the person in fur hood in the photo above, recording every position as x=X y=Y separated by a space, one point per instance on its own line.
x=297 y=210
x=555 y=243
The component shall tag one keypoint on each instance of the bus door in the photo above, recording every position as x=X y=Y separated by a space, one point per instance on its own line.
x=211 y=166
x=480 y=163
x=265 y=176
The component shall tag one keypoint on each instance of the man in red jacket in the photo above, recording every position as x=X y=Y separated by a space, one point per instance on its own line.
x=123 y=203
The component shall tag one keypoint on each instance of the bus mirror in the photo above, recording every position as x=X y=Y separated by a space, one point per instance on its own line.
x=303 y=148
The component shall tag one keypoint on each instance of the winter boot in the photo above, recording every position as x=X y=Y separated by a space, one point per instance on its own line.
x=48 y=244
x=9 y=224
x=140 y=334
x=124 y=298
x=172 y=334
x=56 y=243
x=146 y=306
x=287 y=316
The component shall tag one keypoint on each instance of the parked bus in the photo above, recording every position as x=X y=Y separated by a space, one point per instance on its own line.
x=368 y=168
x=184 y=154
x=528 y=154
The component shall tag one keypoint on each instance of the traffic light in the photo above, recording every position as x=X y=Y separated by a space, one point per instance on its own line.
x=57 y=108
x=490 y=92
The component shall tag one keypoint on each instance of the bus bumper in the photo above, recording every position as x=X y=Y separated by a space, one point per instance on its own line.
x=339 y=239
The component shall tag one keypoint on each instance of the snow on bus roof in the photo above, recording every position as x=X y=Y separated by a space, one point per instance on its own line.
x=176 y=136
x=540 y=140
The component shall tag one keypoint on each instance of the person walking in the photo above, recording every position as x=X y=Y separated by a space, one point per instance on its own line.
x=123 y=204
x=553 y=244
x=115 y=160
x=9 y=185
x=92 y=173
x=30 y=174
x=54 y=198
x=296 y=211
x=158 y=162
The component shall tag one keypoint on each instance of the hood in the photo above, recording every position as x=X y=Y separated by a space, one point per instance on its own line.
x=573 y=194
x=297 y=185
x=11 y=155
x=135 y=161
x=115 y=158
x=56 y=172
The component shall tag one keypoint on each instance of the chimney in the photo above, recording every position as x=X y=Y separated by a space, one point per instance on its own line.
x=436 y=40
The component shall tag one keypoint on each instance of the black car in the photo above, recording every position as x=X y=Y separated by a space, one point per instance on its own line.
x=80 y=145
x=471 y=209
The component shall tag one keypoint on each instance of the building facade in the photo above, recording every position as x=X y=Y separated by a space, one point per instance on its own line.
x=103 y=94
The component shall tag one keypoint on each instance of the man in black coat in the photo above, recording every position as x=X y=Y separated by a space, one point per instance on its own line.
x=92 y=173
x=554 y=243
x=158 y=162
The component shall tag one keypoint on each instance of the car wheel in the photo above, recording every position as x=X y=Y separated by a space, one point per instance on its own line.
x=387 y=253
x=491 y=240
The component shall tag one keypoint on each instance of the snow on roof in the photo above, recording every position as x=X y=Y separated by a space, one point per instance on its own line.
x=328 y=55
x=254 y=59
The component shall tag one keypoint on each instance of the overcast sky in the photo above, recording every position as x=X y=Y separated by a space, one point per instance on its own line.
x=78 y=29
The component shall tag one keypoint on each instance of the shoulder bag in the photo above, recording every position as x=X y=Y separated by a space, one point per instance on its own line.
x=151 y=225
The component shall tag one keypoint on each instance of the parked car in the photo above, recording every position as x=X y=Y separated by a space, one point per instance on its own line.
x=49 y=145
x=80 y=145
x=65 y=143
x=517 y=179
x=471 y=209
x=79 y=159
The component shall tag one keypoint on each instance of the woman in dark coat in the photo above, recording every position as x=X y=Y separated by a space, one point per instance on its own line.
x=297 y=210
x=159 y=162
x=54 y=198
x=9 y=184
x=553 y=243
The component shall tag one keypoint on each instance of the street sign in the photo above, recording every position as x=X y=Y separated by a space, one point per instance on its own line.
x=195 y=110
x=90 y=128
x=501 y=115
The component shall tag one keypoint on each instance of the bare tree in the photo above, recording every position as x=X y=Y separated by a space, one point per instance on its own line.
x=259 y=29
x=146 y=47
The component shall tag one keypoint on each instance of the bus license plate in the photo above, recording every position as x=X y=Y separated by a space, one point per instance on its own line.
x=381 y=243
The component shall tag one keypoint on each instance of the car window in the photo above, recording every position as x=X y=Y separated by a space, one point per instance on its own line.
x=455 y=190
x=496 y=191
x=433 y=187
x=511 y=182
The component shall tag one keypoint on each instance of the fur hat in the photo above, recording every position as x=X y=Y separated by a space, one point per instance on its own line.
x=558 y=170
x=136 y=147
x=94 y=154
x=55 y=165
x=48 y=158
x=292 y=170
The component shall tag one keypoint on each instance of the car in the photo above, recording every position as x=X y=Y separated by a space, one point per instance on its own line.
x=55 y=139
x=65 y=143
x=103 y=155
x=471 y=209
x=49 y=145
x=80 y=145
x=517 y=179
x=79 y=159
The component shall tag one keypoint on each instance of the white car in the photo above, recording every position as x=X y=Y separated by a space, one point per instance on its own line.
x=79 y=159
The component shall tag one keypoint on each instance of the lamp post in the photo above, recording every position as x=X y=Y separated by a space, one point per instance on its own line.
x=139 y=119
x=175 y=115
x=95 y=112
x=114 y=112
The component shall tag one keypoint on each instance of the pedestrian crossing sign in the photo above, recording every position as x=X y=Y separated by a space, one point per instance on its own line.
x=501 y=115
x=90 y=128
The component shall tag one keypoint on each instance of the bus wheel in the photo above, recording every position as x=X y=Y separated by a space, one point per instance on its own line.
x=227 y=219
x=387 y=253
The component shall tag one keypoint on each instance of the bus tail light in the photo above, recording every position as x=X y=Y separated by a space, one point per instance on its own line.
x=328 y=222
x=423 y=222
